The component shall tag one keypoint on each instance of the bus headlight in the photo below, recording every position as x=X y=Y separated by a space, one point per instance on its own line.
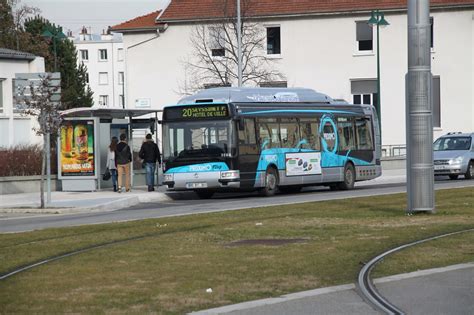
x=230 y=174
x=168 y=177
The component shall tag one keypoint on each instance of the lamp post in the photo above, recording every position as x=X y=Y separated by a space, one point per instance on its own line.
x=377 y=18
x=59 y=35
x=239 y=45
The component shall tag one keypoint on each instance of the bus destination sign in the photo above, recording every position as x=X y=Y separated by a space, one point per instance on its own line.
x=197 y=112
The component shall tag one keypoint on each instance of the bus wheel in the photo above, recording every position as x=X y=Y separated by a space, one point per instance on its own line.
x=349 y=177
x=271 y=183
x=204 y=194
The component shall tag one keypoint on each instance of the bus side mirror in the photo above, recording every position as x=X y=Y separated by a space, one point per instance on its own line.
x=240 y=122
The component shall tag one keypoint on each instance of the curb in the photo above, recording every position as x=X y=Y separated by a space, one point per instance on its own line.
x=120 y=203
x=312 y=293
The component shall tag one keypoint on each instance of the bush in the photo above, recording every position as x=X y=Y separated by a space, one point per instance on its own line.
x=24 y=160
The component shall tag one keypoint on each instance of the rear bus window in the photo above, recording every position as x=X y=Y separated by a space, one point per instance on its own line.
x=364 y=134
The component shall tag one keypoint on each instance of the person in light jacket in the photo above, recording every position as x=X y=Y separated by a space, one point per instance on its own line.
x=111 y=161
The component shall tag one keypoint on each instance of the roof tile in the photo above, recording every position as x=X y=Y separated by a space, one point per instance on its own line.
x=141 y=22
x=187 y=10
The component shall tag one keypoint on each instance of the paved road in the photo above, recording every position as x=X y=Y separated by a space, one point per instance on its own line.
x=188 y=203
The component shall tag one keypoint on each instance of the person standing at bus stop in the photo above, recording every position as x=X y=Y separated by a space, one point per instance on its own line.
x=150 y=154
x=123 y=157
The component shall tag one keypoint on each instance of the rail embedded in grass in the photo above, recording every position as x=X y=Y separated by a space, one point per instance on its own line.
x=184 y=256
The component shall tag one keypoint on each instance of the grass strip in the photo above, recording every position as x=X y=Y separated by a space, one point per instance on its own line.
x=168 y=271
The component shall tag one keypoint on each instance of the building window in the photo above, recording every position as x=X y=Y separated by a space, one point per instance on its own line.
x=218 y=52
x=432 y=32
x=84 y=54
x=217 y=41
x=364 y=91
x=120 y=78
x=103 y=100
x=274 y=84
x=120 y=54
x=436 y=102
x=103 y=78
x=364 y=36
x=121 y=101
x=273 y=41
x=102 y=54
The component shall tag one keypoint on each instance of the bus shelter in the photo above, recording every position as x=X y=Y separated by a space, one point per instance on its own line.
x=84 y=141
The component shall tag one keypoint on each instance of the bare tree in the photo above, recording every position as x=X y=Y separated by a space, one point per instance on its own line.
x=20 y=13
x=37 y=102
x=215 y=57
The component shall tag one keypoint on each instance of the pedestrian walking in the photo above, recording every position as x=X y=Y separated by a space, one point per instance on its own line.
x=111 y=165
x=123 y=157
x=150 y=154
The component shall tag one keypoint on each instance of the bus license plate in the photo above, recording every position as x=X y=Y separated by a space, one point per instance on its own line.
x=196 y=185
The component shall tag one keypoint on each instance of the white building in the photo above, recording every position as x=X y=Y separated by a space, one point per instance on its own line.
x=323 y=45
x=16 y=128
x=103 y=56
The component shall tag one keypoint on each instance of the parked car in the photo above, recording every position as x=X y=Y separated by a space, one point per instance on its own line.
x=454 y=155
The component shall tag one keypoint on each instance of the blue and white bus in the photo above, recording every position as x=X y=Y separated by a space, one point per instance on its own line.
x=267 y=139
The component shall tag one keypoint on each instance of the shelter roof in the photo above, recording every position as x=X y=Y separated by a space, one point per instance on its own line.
x=107 y=113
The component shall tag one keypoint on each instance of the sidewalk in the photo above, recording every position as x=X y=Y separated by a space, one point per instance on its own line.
x=447 y=290
x=75 y=202
x=107 y=200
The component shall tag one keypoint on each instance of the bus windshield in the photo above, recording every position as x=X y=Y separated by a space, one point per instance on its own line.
x=199 y=139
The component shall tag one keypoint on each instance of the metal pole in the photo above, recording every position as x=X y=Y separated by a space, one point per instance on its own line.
x=378 y=109
x=48 y=168
x=55 y=56
x=239 y=44
x=419 y=119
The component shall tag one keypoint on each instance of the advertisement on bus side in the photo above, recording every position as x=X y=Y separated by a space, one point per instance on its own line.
x=303 y=163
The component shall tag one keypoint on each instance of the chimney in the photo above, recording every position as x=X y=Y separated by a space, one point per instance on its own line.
x=106 y=34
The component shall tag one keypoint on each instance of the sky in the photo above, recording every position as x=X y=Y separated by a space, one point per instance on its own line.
x=97 y=14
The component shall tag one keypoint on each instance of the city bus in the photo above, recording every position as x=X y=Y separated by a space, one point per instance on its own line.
x=267 y=139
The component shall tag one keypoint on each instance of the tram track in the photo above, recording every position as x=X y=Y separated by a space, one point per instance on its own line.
x=367 y=289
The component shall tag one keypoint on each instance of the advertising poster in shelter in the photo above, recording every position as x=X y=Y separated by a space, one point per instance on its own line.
x=77 y=148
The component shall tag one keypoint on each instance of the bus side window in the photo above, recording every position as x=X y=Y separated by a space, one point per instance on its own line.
x=268 y=133
x=289 y=132
x=364 y=134
x=345 y=130
x=309 y=132
x=247 y=135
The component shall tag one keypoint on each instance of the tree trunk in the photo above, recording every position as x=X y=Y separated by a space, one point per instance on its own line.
x=43 y=168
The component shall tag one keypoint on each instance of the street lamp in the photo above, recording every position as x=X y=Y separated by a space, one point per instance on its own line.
x=378 y=19
x=60 y=35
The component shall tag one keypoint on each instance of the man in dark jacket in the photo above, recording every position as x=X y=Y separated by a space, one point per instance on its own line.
x=123 y=157
x=150 y=154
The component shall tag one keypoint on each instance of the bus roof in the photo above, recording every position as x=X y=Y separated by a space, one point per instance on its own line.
x=258 y=95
